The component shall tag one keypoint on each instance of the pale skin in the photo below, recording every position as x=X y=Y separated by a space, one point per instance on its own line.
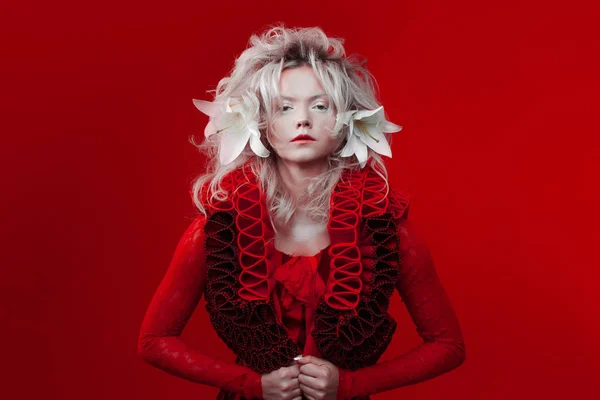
x=305 y=110
x=313 y=377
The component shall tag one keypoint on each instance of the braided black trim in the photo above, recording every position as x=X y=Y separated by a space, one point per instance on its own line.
x=249 y=328
x=353 y=339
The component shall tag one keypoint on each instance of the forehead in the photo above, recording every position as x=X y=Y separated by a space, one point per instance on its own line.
x=299 y=82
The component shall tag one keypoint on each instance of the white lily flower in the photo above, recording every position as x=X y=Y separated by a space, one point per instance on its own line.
x=234 y=127
x=367 y=129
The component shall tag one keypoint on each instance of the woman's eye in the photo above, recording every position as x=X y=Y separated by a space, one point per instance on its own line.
x=285 y=108
x=322 y=107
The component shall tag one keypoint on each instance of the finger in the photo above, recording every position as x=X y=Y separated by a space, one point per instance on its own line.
x=294 y=370
x=309 y=359
x=311 y=370
x=294 y=384
x=325 y=367
x=316 y=361
x=296 y=393
x=308 y=391
x=309 y=381
x=309 y=397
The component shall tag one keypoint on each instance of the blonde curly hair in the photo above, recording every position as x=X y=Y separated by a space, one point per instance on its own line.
x=254 y=80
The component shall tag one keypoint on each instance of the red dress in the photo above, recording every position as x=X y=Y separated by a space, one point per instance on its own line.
x=300 y=283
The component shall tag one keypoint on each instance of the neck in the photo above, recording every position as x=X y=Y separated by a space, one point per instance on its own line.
x=296 y=177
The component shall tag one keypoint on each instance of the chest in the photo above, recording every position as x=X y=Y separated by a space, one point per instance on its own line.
x=302 y=238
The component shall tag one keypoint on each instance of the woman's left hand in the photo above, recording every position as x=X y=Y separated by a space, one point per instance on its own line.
x=318 y=378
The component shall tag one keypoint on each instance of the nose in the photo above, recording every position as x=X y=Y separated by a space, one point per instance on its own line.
x=303 y=123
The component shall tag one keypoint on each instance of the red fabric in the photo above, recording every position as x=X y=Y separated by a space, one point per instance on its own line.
x=419 y=287
x=430 y=308
x=348 y=204
x=255 y=256
x=358 y=194
x=300 y=285
x=352 y=326
x=172 y=305
x=249 y=328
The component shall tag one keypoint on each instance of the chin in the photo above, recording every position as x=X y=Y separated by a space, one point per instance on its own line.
x=306 y=158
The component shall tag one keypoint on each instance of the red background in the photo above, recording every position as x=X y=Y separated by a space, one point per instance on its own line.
x=499 y=151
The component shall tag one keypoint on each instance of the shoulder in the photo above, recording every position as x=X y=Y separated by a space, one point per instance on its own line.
x=191 y=242
x=195 y=230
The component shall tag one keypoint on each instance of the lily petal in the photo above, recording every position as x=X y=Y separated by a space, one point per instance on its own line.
x=207 y=107
x=367 y=129
x=253 y=128
x=345 y=117
x=350 y=147
x=210 y=128
x=232 y=144
x=234 y=106
x=390 y=127
x=258 y=148
x=255 y=143
x=379 y=144
x=364 y=114
x=213 y=110
x=362 y=153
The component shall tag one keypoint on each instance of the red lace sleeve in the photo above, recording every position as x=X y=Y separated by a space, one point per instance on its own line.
x=172 y=305
x=421 y=291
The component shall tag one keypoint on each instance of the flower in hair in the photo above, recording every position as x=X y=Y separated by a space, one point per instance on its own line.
x=367 y=129
x=232 y=122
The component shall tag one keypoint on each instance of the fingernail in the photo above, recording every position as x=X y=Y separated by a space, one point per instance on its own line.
x=298 y=357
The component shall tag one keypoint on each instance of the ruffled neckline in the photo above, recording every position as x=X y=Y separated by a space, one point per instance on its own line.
x=287 y=255
x=359 y=194
x=302 y=277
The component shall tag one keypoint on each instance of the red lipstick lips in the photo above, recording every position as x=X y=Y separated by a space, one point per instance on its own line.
x=303 y=138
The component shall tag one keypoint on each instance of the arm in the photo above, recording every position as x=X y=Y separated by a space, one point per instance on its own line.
x=443 y=347
x=172 y=305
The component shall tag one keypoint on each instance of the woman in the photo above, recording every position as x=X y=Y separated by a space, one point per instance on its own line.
x=300 y=243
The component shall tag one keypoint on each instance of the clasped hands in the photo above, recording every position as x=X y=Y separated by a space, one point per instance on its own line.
x=310 y=376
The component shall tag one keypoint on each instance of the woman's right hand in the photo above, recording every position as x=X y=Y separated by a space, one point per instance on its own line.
x=282 y=384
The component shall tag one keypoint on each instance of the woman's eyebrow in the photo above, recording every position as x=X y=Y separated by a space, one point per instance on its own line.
x=310 y=98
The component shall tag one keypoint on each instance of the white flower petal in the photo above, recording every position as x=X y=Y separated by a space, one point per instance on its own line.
x=232 y=144
x=380 y=145
x=234 y=106
x=350 y=147
x=210 y=128
x=362 y=153
x=253 y=128
x=345 y=117
x=365 y=114
x=257 y=147
x=226 y=122
x=255 y=143
x=390 y=127
x=367 y=128
x=207 y=107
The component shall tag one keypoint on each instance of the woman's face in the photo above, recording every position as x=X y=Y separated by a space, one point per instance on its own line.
x=306 y=116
